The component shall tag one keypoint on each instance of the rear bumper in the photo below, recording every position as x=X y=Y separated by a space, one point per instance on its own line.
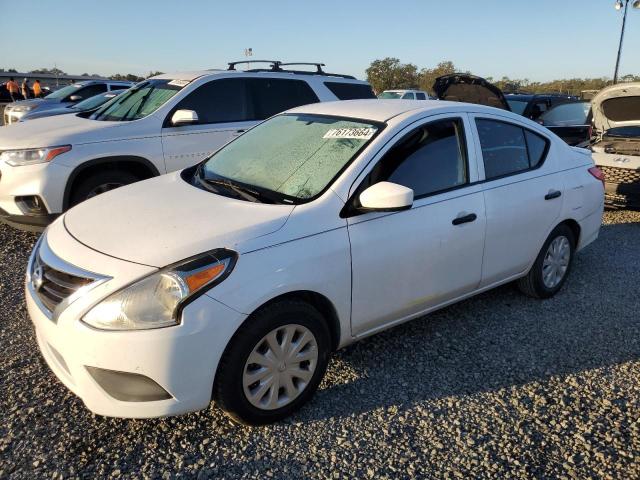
x=622 y=195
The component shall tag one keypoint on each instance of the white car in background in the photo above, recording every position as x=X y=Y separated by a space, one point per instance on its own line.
x=616 y=147
x=163 y=124
x=233 y=280
x=404 y=95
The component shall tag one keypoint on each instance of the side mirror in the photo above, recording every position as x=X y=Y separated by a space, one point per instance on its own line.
x=184 y=117
x=75 y=98
x=386 y=197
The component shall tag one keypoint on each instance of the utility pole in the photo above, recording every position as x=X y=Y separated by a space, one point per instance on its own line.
x=619 y=6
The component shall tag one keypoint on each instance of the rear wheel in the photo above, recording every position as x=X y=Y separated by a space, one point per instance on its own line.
x=100 y=182
x=274 y=364
x=552 y=266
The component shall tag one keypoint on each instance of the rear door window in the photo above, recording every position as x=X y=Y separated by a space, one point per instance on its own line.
x=350 y=91
x=274 y=95
x=508 y=149
x=408 y=96
x=218 y=101
x=420 y=96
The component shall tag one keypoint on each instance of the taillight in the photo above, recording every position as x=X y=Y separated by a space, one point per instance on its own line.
x=597 y=173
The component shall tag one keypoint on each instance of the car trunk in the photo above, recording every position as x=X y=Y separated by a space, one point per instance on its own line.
x=462 y=87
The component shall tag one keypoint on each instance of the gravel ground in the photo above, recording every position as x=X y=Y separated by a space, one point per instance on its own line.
x=497 y=386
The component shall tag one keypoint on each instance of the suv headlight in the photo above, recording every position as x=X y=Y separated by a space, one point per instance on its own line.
x=31 y=156
x=157 y=300
x=22 y=108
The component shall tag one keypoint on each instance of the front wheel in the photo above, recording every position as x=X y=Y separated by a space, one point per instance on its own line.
x=552 y=266
x=100 y=182
x=274 y=363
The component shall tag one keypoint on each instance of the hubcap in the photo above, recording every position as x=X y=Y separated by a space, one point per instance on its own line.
x=280 y=367
x=556 y=262
x=105 y=187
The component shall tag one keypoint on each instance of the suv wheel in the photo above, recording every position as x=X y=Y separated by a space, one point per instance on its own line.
x=100 y=182
x=552 y=266
x=273 y=364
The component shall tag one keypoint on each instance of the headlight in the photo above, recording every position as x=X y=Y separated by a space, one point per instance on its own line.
x=22 y=108
x=156 y=300
x=31 y=156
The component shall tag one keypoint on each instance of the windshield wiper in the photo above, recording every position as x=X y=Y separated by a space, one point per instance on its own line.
x=240 y=190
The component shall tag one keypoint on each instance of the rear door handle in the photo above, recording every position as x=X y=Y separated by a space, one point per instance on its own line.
x=552 y=194
x=464 y=219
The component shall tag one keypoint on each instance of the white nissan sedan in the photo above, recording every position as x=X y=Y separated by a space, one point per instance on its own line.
x=234 y=280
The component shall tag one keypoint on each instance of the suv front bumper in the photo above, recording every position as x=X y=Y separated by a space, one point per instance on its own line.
x=45 y=181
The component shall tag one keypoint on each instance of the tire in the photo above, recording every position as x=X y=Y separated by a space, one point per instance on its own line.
x=100 y=182
x=235 y=370
x=534 y=284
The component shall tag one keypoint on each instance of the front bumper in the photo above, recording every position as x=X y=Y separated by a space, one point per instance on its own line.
x=46 y=181
x=182 y=360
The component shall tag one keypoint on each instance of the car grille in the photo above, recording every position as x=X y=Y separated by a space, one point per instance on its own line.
x=54 y=286
x=620 y=175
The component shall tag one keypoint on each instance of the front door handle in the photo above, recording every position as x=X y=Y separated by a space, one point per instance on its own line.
x=552 y=194
x=464 y=219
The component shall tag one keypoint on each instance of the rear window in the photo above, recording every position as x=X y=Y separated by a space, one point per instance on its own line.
x=350 y=91
x=622 y=109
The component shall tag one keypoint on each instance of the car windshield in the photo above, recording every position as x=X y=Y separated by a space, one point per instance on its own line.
x=517 y=106
x=64 y=91
x=290 y=158
x=139 y=101
x=567 y=114
x=93 y=102
x=384 y=95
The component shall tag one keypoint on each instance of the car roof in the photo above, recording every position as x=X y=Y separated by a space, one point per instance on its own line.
x=383 y=110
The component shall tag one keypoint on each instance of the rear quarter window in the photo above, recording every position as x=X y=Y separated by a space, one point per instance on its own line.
x=350 y=91
x=508 y=148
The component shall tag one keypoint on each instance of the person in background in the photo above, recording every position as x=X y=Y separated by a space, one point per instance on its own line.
x=25 y=88
x=37 y=89
x=14 y=90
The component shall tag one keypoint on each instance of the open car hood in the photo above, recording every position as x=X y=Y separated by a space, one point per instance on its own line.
x=462 y=87
x=616 y=106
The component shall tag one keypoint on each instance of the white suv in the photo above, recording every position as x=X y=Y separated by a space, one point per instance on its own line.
x=404 y=95
x=162 y=124
x=234 y=279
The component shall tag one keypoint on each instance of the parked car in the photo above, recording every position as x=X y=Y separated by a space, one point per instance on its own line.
x=463 y=87
x=534 y=105
x=570 y=121
x=616 y=146
x=68 y=95
x=404 y=95
x=163 y=124
x=85 y=106
x=234 y=279
x=6 y=97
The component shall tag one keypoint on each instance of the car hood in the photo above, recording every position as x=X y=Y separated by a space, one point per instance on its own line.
x=616 y=106
x=52 y=131
x=35 y=103
x=462 y=87
x=47 y=113
x=164 y=220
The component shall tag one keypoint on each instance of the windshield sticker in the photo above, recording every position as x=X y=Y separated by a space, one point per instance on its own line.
x=361 y=133
x=179 y=83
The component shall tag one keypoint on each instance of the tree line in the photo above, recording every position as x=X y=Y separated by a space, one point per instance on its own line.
x=390 y=73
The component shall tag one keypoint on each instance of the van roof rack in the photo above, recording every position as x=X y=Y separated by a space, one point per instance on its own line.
x=276 y=66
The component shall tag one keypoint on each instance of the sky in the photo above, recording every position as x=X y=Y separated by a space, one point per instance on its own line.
x=537 y=39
